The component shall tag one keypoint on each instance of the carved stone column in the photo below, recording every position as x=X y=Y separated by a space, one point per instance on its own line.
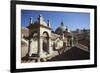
x=41 y=54
x=50 y=48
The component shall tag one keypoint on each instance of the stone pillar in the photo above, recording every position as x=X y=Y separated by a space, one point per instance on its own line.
x=72 y=41
x=40 y=18
x=30 y=48
x=41 y=54
x=49 y=25
x=50 y=48
x=63 y=36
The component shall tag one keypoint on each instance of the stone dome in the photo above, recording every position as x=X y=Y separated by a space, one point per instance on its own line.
x=60 y=29
x=44 y=23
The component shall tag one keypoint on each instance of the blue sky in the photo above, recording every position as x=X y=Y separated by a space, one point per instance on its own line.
x=72 y=20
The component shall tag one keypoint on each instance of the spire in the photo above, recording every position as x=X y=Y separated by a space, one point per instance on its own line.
x=40 y=19
x=66 y=27
x=62 y=24
x=49 y=25
x=30 y=22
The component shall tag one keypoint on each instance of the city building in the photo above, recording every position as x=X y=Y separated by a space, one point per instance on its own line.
x=39 y=41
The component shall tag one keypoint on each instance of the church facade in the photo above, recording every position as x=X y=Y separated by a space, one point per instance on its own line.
x=39 y=41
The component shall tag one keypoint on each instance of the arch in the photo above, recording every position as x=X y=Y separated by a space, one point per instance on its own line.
x=34 y=44
x=35 y=33
x=45 y=34
x=45 y=42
